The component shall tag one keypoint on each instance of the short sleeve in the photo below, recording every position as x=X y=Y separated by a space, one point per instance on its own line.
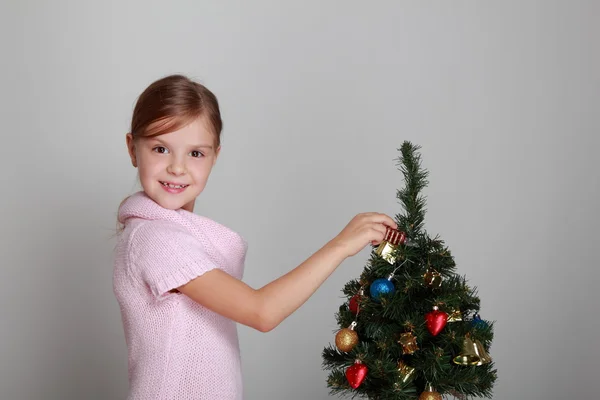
x=165 y=256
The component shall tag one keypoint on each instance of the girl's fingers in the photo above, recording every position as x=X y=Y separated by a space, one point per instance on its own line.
x=379 y=228
x=383 y=219
x=377 y=233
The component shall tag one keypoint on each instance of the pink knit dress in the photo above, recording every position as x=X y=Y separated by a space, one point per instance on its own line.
x=177 y=349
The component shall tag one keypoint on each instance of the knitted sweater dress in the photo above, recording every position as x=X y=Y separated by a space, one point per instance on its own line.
x=177 y=349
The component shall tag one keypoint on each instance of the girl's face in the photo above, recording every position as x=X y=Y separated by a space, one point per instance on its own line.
x=174 y=167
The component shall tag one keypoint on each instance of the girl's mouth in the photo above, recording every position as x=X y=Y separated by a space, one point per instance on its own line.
x=173 y=188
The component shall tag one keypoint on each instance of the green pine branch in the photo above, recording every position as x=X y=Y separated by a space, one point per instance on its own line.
x=410 y=197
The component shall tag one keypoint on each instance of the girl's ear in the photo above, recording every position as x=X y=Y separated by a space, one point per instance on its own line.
x=131 y=149
x=217 y=151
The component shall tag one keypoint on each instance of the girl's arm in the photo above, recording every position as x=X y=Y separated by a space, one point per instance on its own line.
x=267 y=307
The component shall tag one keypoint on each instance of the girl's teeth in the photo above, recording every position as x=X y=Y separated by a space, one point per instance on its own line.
x=173 y=186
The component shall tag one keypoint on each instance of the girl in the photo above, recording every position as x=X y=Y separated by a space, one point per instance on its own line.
x=177 y=275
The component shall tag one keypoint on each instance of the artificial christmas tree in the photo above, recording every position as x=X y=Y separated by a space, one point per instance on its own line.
x=410 y=327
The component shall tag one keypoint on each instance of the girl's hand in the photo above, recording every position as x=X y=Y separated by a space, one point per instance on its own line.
x=362 y=230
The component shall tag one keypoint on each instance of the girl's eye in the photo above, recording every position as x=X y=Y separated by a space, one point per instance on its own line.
x=160 y=149
x=196 y=153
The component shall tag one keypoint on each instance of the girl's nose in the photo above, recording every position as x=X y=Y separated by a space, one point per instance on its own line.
x=176 y=168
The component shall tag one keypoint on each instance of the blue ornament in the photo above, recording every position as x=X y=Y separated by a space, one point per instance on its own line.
x=382 y=287
x=478 y=322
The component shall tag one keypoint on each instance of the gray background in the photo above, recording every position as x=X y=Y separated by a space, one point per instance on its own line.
x=316 y=97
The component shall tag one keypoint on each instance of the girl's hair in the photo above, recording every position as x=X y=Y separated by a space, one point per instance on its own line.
x=172 y=102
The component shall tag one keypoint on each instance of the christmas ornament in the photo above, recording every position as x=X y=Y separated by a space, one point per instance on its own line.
x=430 y=394
x=353 y=304
x=346 y=338
x=382 y=287
x=405 y=372
x=390 y=243
x=432 y=278
x=436 y=321
x=455 y=315
x=484 y=357
x=468 y=356
x=478 y=322
x=408 y=342
x=356 y=374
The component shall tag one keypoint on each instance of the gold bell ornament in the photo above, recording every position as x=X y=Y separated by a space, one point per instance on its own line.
x=455 y=315
x=346 y=338
x=472 y=354
x=405 y=372
x=484 y=357
x=390 y=243
x=430 y=394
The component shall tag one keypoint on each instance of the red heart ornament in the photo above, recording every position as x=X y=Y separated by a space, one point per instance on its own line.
x=353 y=306
x=356 y=374
x=436 y=321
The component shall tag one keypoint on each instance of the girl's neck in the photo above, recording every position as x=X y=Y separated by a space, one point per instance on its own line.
x=189 y=206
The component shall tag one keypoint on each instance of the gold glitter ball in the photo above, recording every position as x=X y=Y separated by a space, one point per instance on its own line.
x=430 y=394
x=346 y=339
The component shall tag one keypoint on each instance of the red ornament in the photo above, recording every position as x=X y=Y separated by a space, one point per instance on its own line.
x=356 y=374
x=396 y=237
x=436 y=321
x=353 y=305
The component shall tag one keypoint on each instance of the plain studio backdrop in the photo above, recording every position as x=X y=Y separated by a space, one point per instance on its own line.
x=316 y=98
